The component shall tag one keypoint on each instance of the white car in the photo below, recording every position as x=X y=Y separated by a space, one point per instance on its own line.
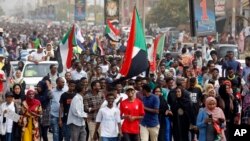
x=14 y=65
x=33 y=73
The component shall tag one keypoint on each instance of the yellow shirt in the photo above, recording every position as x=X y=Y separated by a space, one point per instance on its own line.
x=1 y=65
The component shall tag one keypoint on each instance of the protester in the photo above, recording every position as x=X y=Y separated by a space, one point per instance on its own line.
x=19 y=97
x=183 y=117
x=37 y=56
x=149 y=126
x=44 y=96
x=132 y=111
x=65 y=102
x=55 y=108
x=109 y=119
x=77 y=115
x=32 y=110
x=18 y=79
x=191 y=70
x=209 y=118
x=6 y=124
x=92 y=102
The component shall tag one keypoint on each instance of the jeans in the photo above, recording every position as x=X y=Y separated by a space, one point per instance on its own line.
x=109 y=139
x=57 y=132
x=44 y=132
x=8 y=137
x=66 y=132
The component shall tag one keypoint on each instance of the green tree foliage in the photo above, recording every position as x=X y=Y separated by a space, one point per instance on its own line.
x=169 y=13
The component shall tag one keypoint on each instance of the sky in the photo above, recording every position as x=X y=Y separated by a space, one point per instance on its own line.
x=8 y=5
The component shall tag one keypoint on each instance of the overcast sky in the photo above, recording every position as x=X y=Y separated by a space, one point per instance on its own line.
x=8 y=5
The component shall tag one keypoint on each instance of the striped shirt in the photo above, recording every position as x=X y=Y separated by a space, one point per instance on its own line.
x=92 y=101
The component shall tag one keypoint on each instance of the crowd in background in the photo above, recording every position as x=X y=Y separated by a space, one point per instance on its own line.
x=187 y=98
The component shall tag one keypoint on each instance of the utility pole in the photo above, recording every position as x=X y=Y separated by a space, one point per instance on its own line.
x=122 y=10
x=233 y=17
x=95 y=12
x=143 y=14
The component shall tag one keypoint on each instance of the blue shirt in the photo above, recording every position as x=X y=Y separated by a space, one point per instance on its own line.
x=245 y=73
x=231 y=63
x=151 y=119
x=55 y=105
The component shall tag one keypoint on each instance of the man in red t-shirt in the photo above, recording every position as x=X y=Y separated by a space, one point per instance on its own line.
x=132 y=111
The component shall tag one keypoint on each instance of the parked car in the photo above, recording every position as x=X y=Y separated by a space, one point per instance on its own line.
x=33 y=73
x=222 y=50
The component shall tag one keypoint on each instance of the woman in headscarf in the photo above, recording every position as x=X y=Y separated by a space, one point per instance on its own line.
x=50 y=54
x=208 y=87
x=164 y=114
x=7 y=67
x=44 y=96
x=18 y=79
x=230 y=107
x=173 y=72
x=183 y=117
x=20 y=65
x=32 y=110
x=207 y=117
x=18 y=99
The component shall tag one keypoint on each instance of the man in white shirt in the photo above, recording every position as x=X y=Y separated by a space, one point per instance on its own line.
x=76 y=115
x=7 y=123
x=78 y=73
x=38 y=56
x=110 y=120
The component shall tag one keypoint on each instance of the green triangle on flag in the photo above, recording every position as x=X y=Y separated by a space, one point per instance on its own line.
x=135 y=59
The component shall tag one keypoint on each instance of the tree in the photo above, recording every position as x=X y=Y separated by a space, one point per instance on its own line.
x=169 y=13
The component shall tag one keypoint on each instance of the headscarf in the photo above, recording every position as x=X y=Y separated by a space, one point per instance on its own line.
x=43 y=95
x=208 y=87
x=216 y=112
x=18 y=96
x=31 y=102
x=227 y=82
x=18 y=80
x=209 y=90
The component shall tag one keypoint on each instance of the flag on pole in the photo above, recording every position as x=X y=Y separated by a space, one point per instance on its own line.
x=160 y=41
x=78 y=37
x=66 y=47
x=157 y=49
x=135 y=59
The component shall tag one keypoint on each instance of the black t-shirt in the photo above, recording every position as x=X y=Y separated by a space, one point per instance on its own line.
x=195 y=96
x=66 y=99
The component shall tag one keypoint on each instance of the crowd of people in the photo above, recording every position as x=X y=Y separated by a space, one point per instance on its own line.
x=186 y=99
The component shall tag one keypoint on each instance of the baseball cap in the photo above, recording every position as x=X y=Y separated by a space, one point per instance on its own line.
x=129 y=88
